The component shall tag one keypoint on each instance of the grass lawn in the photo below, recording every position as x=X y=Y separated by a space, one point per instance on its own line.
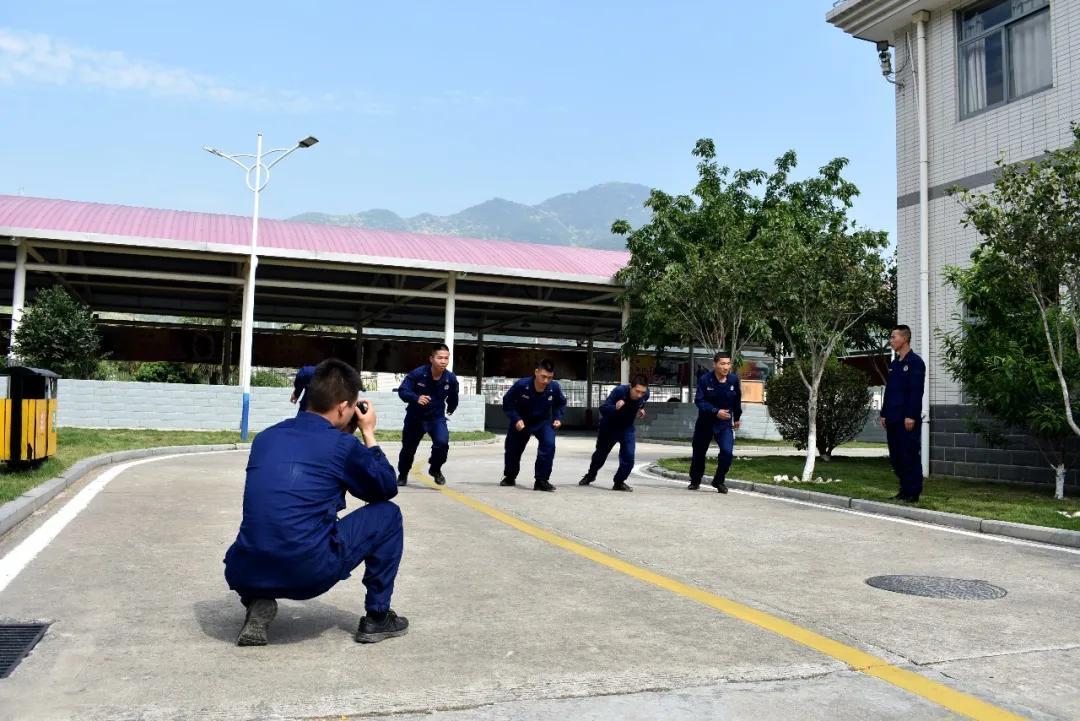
x=872 y=479
x=770 y=443
x=74 y=444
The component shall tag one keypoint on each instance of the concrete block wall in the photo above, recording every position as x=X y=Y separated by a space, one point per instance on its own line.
x=177 y=406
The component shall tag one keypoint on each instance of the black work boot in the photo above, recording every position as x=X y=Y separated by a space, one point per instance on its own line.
x=719 y=485
x=375 y=627
x=586 y=479
x=621 y=486
x=439 y=478
x=260 y=612
x=694 y=485
x=543 y=486
x=402 y=479
x=508 y=481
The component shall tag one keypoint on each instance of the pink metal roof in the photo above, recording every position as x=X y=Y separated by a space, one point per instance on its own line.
x=37 y=217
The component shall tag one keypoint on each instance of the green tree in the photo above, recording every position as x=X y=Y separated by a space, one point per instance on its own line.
x=694 y=267
x=1030 y=222
x=165 y=372
x=825 y=276
x=843 y=404
x=998 y=353
x=58 y=332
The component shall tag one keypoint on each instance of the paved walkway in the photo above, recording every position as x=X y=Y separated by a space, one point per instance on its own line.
x=583 y=604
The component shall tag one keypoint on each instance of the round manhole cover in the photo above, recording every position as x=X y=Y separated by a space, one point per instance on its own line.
x=937 y=587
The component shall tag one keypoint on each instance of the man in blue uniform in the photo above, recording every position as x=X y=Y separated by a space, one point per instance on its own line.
x=535 y=406
x=291 y=543
x=623 y=406
x=432 y=394
x=901 y=414
x=300 y=384
x=719 y=401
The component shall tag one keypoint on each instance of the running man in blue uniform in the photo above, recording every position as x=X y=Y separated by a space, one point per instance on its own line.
x=432 y=394
x=535 y=406
x=623 y=406
x=719 y=402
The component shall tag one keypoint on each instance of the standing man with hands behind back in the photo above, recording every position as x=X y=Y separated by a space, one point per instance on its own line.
x=901 y=414
x=719 y=402
x=535 y=406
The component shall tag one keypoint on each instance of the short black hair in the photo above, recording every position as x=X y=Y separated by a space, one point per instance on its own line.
x=438 y=347
x=906 y=330
x=334 y=381
x=639 y=380
x=720 y=354
x=545 y=365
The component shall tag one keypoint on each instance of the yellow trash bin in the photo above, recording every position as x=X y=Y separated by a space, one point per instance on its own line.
x=29 y=414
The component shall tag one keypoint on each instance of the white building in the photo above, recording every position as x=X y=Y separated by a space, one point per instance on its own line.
x=998 y=80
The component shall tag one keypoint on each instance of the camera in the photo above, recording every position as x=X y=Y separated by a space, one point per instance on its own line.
x=354 y=422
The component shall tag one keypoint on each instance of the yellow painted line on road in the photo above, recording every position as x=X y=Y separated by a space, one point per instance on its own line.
x=857 y=660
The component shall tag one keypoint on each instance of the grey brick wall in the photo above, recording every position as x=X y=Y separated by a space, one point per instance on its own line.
x=175 y=406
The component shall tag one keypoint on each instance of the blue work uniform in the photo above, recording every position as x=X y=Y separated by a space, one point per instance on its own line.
x=714 y=395
x=291 y=543
x=300 y=384
x=903 y=399
x=538 y=409
x=430 y=419
x=617 y=426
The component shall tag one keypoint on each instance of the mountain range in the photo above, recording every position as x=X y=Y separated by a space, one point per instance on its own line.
x=580 y=219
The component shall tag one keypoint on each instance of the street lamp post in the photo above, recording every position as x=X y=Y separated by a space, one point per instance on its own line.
x=261 y=173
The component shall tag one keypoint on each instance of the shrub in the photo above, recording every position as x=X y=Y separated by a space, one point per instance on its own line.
x=59 y=333
x=164 y=372
x=843 y=404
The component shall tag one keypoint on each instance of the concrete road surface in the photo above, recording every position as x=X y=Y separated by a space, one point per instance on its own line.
x=581 y=604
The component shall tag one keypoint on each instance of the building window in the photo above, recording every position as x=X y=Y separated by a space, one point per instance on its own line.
x=1004 y=52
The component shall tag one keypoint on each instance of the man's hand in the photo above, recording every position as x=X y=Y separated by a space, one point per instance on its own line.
x=909 y=424
x=723 y=414
x=424 y=400
x=519 y=426
x=619 y=405
x=292 y=398
x=366 y=423
x=882 y=418
x=737 y=425
x=641 y=413
x=556 y=425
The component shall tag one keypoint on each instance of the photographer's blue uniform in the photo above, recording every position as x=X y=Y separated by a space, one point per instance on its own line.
x=713 y=395
x=903 y=399
x=300 y=384
x=617 y=426
x=291 y=542
x=430 y=419
x=538 y=409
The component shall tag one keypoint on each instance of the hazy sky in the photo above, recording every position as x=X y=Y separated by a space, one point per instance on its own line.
x=428 y=106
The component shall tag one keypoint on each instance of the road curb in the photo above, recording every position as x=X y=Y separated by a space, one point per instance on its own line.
x=18 y=510
x=1023 y=531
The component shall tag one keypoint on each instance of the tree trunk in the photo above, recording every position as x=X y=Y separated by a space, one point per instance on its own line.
x=1059 y=482
x=811 y=439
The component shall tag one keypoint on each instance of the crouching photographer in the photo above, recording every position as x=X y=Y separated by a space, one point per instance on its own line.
x=291 y=543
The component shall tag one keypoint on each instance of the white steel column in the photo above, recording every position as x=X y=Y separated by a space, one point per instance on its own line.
x=921 y=18
x=589 y=373
x=18 y=290
x=451 y=296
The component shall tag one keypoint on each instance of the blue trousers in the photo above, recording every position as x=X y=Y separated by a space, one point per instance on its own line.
x=606 y=439
x=905 y=456
x=372 y=535
x=705 y=430
x=515 y=446
x=411 y=434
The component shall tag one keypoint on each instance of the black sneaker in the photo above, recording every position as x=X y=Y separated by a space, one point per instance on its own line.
x=898 y=497
x=621 y=487
x=402 y=480
x=719 y=486
x=543 y=486
x=439 y=478
x=694 y=485
x=260 y=613
x=508 y=482
x=371 y=630
x=586 y=480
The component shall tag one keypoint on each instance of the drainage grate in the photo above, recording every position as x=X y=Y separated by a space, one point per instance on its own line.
x=938 y=587
x=17 y=640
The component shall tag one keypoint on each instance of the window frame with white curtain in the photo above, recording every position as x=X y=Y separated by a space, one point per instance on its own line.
x=1025 y=32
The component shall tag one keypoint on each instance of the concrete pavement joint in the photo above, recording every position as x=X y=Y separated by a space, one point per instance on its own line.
x=1002 y=654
